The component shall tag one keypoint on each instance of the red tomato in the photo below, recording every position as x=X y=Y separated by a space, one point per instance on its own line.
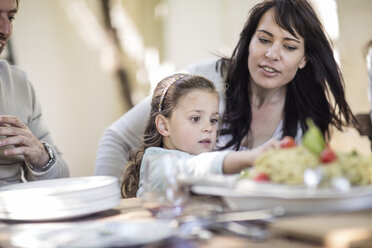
x=262 y=177
x=287 y=142
x=327 y=155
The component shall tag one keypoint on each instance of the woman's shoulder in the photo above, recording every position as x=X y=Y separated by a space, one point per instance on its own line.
x=212 y=69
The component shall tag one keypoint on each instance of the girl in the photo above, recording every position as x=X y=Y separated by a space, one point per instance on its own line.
x=184 y=120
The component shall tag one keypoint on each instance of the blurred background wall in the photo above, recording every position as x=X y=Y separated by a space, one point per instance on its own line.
x=73 y=60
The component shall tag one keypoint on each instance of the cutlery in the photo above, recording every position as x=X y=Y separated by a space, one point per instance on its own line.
x=192 y=226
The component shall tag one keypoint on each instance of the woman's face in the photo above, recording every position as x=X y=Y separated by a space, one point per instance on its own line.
x=274 y=54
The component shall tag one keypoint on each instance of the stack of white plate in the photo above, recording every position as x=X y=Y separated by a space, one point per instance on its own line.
x=58 y=198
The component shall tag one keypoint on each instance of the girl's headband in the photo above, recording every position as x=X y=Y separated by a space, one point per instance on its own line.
x=166 y=89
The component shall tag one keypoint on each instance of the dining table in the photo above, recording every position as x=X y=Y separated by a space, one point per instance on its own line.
x=341 y=229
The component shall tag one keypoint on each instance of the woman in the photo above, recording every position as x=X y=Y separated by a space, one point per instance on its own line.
x=275 y=33
x=281 y=72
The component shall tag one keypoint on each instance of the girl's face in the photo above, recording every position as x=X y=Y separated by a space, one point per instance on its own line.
x=192 y=127
x=274 y=54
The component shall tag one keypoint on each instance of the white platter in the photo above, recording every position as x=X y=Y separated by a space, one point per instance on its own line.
x=90 y=234
x=249 y=195
x=56 y=199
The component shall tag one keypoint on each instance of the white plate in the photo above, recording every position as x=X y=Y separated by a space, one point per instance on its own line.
x=57 y=199
x=208 y=180
x=90 y=234
x=249 y=195
x=47 y=213
x=55 y=202
x=59 y=186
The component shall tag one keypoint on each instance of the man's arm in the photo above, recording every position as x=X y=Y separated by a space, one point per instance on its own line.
x=59 y=168
x=25 y=132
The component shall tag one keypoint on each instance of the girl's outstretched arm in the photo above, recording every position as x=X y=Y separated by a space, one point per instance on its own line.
x=234 y=162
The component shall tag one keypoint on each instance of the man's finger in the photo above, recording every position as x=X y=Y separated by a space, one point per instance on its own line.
x=11 y=120
x=22 y=150
x=15 y=140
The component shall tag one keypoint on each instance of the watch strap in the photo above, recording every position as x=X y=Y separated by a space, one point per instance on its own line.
x=51 y=161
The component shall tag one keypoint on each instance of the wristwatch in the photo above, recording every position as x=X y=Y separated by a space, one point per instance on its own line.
x=52 y=159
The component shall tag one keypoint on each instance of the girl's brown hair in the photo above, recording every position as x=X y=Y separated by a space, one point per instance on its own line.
x=165 y=98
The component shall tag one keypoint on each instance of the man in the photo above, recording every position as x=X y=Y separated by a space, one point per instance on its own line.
x=26 y=148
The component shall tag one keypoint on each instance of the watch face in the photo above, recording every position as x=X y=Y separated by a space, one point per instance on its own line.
x=50 y=152
x=50 y=162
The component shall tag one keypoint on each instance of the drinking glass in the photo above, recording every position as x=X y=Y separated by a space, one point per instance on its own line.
x=162 y=194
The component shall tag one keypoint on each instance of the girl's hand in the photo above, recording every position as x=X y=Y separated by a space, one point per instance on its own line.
x=236 y=161
x=271 y=144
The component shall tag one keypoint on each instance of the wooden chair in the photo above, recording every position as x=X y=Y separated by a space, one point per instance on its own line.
x=365 y=123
